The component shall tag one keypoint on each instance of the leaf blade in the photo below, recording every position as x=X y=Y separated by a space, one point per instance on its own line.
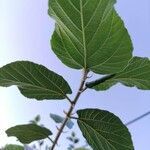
x=29 y=133
x=103 y=130
x=87 y=35
x=34 y=81
x=59 y=119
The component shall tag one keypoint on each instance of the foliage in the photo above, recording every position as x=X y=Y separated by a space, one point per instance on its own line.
x=29 y=133
x=103 y=130
x=34 y=81
x=135 y=74
x=74 y=140
x=89 y=35
x=13 y=147
x=59 y=119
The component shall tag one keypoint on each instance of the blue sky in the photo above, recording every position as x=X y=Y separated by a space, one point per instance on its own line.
x=25 y=31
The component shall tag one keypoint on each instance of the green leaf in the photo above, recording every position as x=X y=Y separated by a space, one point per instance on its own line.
x=103 y=130
x=137 y=73
x=34 y=81
x=90 y=34
x=29 y=133
x=38 y=118
x=59 y=119
x=13 y=147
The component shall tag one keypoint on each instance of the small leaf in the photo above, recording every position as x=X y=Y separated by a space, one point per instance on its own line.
x=34 y=81
x=37 y=118
x=29 y=133
x=13 y=147
x=69 y=124
x=90 y=34
x=59 y=119
x=70 y=139
x=73 y=134
x=103 y=130
x=41 y=143
x=76 y=140
x=137 y=74
x=71 y=146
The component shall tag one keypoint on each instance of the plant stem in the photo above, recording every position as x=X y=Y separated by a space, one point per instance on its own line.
x=73 y=103
x=68 y=99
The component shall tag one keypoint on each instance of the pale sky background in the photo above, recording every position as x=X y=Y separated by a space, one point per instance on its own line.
x=25 y=31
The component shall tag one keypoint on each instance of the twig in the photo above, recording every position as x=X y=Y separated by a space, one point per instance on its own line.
x=84 y=89
x=75 y=118
x=73 y=103
x=68 y=99
x=50 y=139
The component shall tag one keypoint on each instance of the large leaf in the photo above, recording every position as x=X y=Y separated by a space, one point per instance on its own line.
x=29 y=133
x=13 y=147
x=137 y=73
x=90 y=34
x=34 y=81
x=103 y=130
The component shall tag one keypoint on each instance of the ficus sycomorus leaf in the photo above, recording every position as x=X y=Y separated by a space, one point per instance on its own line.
x=29 y=133
x=103 y=130
x=136 y=74
x=90 y=34
x=34 y=80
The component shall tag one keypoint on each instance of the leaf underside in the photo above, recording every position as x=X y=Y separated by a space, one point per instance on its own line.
x=103 y=130
x=136 y=74
x=34 y=81
x=90 y=34
x=29 y=133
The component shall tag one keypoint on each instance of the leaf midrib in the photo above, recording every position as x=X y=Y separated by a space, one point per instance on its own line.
x=83 y=35
x=97 y=133
x=33 y=84
x=20 y=84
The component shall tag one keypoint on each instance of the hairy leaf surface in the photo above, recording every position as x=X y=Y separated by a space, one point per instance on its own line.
x=90 y=34
x=29 y=133
x=103 y=130
x=34 y=81
x=137 y=74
